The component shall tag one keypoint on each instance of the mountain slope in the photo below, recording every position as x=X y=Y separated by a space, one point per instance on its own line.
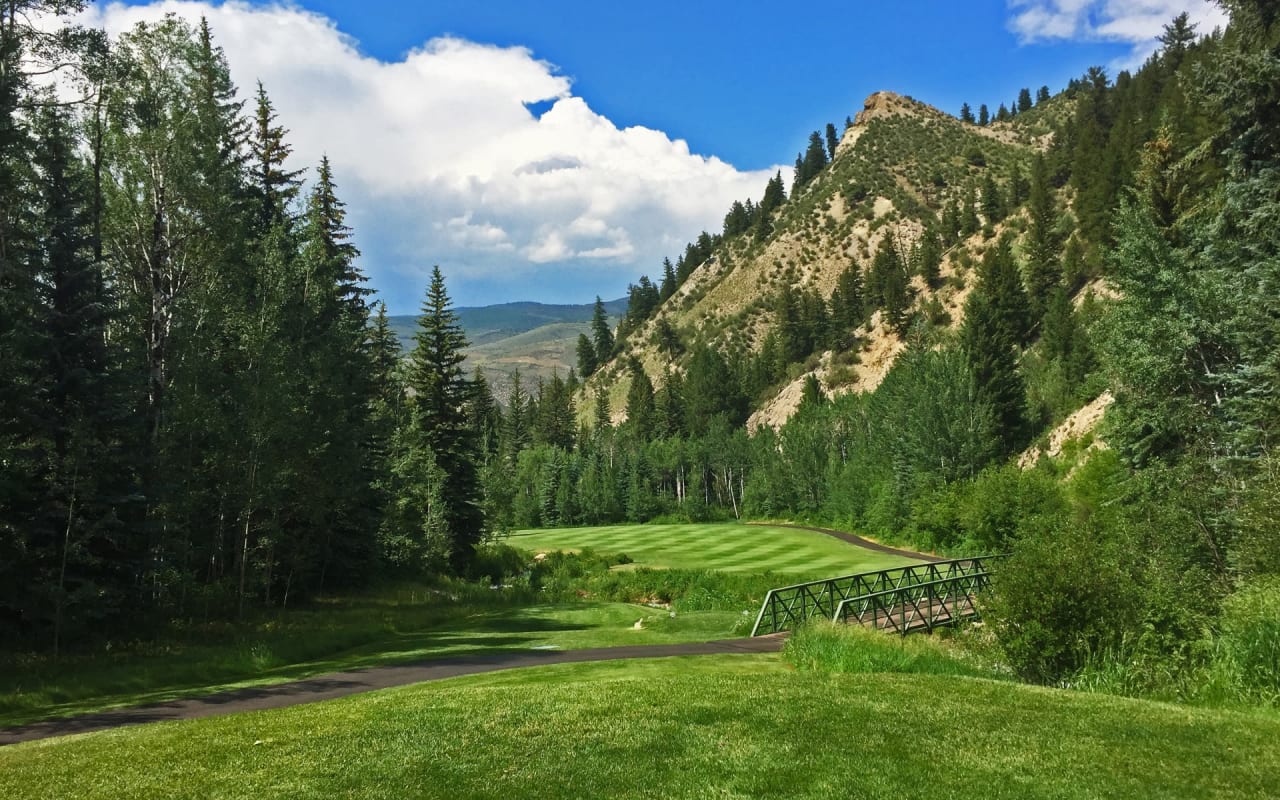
x=895 y=170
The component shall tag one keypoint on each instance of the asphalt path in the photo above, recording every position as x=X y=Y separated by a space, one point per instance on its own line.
x=343 y=684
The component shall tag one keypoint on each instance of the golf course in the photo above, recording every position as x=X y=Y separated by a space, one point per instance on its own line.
x=839 y=713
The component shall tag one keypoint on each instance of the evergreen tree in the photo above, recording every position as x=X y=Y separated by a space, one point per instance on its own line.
x=515 y=433
x=1042 y=95
x=668 y=409
x=668 y=285
x=601 y=334
x=966 y=114
x=992 y=202
x=994 y=327
x=440 y=395
x=640 y=417
x=812 y=394
x=276 y=186
x=832 y=141
x=586 y=356
x=1024 y=100
x=984 y=115
x=929 y=258
x=969 y=222
x=1043 y=270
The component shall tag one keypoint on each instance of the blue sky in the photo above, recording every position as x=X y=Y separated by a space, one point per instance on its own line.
x=554 y=151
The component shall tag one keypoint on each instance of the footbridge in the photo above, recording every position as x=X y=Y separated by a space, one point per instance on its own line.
x=919 y=597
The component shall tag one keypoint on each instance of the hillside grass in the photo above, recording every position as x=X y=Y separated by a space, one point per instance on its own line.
x=338 y=634
x=727 y=547
x=723 y=726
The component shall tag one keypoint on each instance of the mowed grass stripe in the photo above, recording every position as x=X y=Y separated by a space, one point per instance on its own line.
x=727 y=547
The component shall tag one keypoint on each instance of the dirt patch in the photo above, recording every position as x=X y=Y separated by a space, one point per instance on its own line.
x=1074 y=427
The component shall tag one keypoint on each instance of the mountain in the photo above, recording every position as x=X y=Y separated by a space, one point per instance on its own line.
x=538 y=339
x=899 y=168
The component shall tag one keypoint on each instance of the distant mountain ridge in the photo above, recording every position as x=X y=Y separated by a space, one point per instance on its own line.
x=488 y=324
x=537 y=339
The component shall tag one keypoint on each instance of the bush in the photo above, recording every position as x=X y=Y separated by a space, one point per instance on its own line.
x=1064 y=595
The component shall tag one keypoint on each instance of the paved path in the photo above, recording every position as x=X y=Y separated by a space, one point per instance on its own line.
x=853 y=539
x=342 y=684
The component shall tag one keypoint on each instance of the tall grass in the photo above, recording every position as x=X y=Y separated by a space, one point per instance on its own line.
x=1236 y=666
x=823 y=646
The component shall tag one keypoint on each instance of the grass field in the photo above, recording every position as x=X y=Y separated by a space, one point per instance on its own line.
x=729 y=726
x=722 y=546
x=400 y=626
x=347 y=635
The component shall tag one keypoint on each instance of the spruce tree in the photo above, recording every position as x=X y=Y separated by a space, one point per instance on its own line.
x=668 y=283
x=1043 y=269
x=441 y=392
x=994 y=328
x=601 y=334
x=586 y=356
x=640 y=405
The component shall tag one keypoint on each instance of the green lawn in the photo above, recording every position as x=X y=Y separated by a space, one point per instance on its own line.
x=406 y=625
x=352 y=634
x=725 y=726
x=722 y=546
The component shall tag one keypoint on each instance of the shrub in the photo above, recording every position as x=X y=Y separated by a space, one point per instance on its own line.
x=1065 y=594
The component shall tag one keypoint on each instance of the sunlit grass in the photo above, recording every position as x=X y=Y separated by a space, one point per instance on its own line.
x=726 y=726
x=718 y=546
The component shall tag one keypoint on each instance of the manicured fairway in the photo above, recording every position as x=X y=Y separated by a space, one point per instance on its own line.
x=728 y=547
x=728 y=726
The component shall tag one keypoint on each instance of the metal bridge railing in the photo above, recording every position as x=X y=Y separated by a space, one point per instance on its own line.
x=871 y=598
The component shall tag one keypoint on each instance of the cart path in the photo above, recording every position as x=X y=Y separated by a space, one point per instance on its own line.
x=856 y=540
x=343 y=684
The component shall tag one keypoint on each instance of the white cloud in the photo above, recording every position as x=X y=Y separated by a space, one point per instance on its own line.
x=1135 y=22
x=441 y=161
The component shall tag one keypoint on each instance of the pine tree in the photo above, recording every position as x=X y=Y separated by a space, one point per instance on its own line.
x=994 y=327
x=1043 y=270
x=640 y=404
x=515 y=431
x=832 y=141
x=929 y=258
x=601 y=334
x=586 y=356
x=1024 y=100
x=812 y=394
x=1042 y=95
x=992 y=202
x=440 y=395
x=277 y=187
x=966 y=114
x=668 y=283
x=984 y=115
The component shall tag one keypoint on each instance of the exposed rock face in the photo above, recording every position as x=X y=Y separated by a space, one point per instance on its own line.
x=1074 y=427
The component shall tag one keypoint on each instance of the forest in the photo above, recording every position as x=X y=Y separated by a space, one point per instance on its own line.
x=203 y=412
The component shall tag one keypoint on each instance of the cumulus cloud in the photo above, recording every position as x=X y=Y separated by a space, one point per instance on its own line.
x=1135 y=22
x=441 y=159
